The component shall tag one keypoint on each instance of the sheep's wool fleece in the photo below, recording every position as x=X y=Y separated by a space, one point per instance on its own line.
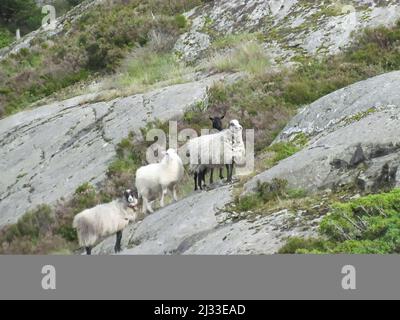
x=216 y=149
x=101 y=221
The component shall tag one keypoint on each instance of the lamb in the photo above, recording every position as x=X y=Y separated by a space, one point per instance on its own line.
x=217 y=150
x=156 y=180
x=105 y=220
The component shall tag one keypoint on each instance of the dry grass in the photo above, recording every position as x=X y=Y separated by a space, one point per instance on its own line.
x=248 y=57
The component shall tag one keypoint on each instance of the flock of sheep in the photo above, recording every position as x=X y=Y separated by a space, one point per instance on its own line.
x=154 y=181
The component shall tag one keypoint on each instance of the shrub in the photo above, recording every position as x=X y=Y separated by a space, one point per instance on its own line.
x=369 y=225
x=249 y=57
x=247 y=203
x=23 y=14
x=33 y=224
x=181 y=21
x=147 y=68
x=297 y=245
x=265 y=192
x=5 y=38
x=95 y=44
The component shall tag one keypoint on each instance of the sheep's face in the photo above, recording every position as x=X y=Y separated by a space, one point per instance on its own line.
x=170 y=154
x=217 y=123
x=235 y=126
x=131 y=197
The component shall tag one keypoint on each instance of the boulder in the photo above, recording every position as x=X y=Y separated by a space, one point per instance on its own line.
x=354 y=140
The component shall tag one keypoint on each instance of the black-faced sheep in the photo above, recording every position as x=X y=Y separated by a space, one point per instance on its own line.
x=224 y=148
x=105 y=220
x=201 y=171
x=155 y=180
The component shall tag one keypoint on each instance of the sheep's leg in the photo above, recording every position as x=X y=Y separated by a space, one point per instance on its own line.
x=146 y=206
x=163 y=194
x=195 y=182
x=221 y=173
x=200 y=179
x=175 y=191
x=117 y=247
x=211 y=176
x=230 y=172
x=203 y=177
x=227 y=166
x=88 y=251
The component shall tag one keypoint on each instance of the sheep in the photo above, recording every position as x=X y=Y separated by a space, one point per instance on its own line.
x=217 y=122
x=105 y=220
x=155 y=180
x=216 y=150
x=201 y=171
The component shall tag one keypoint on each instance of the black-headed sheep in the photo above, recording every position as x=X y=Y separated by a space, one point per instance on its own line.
x=105 y=220
x=217 y=150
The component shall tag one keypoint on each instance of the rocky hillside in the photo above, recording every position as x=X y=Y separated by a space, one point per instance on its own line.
x=72 y=142
x=290 y=27
x=70 y=136
x=353 y=140
x=353 y=146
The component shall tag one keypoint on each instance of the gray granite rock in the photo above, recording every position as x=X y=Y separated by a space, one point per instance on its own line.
x=362 y=119
x=46 y=153
x=198 y=225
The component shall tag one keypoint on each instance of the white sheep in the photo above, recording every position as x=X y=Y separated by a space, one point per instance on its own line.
x=155 y=180
x=217 y=150
x=105 y=220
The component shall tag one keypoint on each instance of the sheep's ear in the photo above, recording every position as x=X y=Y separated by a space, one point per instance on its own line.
x=212 y=119
x=222 y=117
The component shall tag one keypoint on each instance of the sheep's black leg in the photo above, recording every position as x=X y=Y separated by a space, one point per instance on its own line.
x=88 y=251
x=195 y=182
x=118 y=243
x=221 y=173
x=211 y=176
x=200 y=179
x=230 y=172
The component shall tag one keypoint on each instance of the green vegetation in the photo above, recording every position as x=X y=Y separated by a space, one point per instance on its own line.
x=148 y=68
x=359 y=116
x=249 y=57
x=283 y=150
x=22 y=14
x=234 y=40
x=5 y=37
x=26 y=15
x=266 y=192
x=133 y=42
x=266 y=100
x=63 y=6
x=129 y=158
x=369 y=225
x=96 y=44
x=296 y=245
